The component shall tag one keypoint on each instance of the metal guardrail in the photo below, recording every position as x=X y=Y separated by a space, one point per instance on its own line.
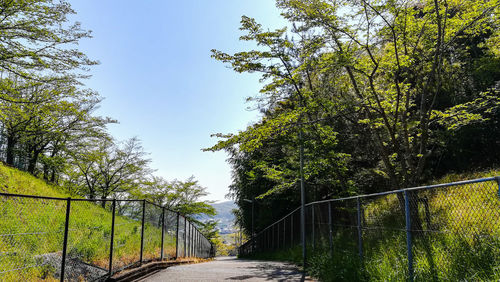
x=81 y=239
x=430 y=230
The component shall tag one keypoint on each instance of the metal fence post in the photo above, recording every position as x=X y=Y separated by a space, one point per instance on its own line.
x=408 y=236
x=142 y=229
x=360 y=231
x=258 y=243
x=190 y=239
x=177 y=238
x=266 y=240
x=197 y=239
x=302 y=203
x=498 y=182
x=272 y=238
x=188 y=233
x=162 y=231
x=111 y=244
x=277 y=231
x=284 y=233
x=185 y=232
x=330 y=227
x=65 y=241
x=278 y=234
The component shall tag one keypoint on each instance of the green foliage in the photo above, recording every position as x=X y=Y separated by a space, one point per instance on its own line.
x=37 y=40
x=210 y=231
x=107 y=169
x=387 y=94
x=184 y=197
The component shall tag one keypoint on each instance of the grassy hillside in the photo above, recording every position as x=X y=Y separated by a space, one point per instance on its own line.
x=459 y=239
x=32 y=231
x=19 y=182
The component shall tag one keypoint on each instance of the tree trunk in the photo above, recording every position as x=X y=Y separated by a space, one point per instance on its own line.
x=46 y=172
x=91 y=194
x=11 y=143
x=53 y=176
x=103 y=203
x=32 y=162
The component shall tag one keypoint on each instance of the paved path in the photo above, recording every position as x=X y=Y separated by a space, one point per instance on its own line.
x=229 y=269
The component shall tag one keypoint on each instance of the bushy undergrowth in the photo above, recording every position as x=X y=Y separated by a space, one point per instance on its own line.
x=458 y=239
x=32 y=231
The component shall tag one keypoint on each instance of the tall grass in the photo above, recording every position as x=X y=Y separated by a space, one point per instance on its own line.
x=458 y=238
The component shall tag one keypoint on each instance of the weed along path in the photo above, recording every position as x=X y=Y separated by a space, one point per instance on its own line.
x=229 y=269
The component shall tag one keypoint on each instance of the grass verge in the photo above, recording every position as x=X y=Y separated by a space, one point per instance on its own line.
x=456 y=237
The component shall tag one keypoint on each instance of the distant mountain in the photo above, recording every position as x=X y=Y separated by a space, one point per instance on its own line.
x=224 y=216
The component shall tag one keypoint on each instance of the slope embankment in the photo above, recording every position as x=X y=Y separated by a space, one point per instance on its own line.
x=32 y=232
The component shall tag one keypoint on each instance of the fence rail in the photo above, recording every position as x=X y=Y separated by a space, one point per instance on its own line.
x=440 y=232
x=80 y=239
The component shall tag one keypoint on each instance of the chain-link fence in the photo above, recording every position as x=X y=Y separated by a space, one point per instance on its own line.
x=433 y=233
x=47 y=238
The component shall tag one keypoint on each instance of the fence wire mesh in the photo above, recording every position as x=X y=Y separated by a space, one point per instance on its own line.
x=127 y=234
x=152 y=231
x=89 y=240
x=181 y=239
x=44 y=238
x=31 y=238
x=170 y=234
x=442 y=232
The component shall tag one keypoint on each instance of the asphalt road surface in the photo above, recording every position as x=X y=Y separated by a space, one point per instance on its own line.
x=229 y=269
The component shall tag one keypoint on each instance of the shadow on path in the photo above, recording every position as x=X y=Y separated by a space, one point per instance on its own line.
x=231 y=269
x=271 y=271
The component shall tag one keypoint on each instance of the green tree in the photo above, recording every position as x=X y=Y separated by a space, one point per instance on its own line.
x=109 y=169
x=184 y=197
x=384 y=66
x=210 y=231
x=37 y=41
x=377 y=87
x=394 y=61
x=290 y=103
x=39 y=119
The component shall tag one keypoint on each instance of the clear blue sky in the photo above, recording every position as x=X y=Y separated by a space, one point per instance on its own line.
x=159 y=81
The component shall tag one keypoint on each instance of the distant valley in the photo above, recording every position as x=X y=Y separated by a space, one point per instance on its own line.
x=224 y=216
